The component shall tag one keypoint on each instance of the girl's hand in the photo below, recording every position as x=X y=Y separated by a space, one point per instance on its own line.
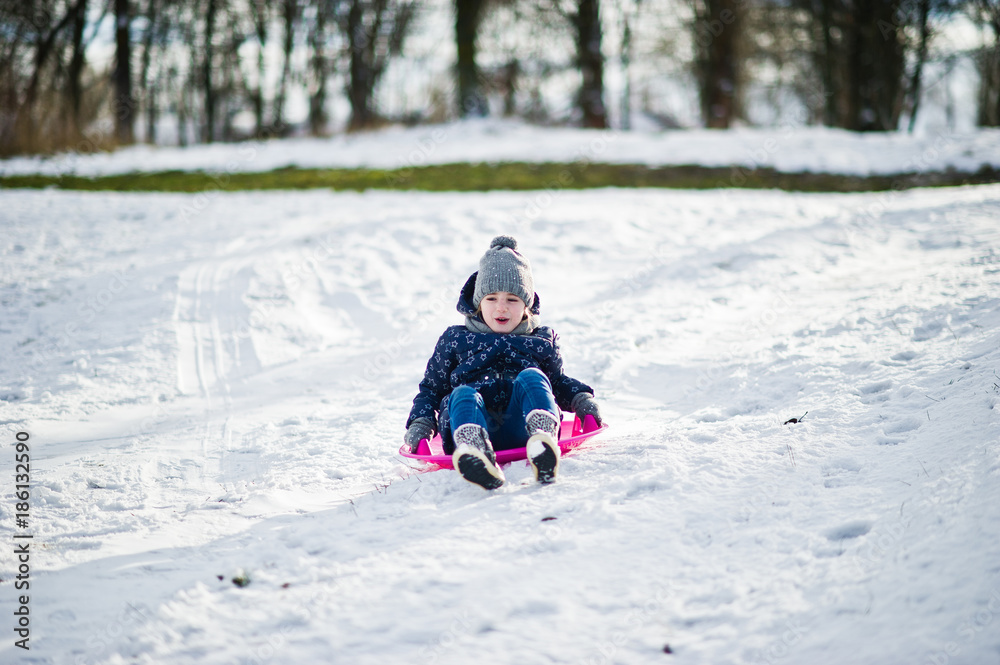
x=418 y=430
x=584 y=405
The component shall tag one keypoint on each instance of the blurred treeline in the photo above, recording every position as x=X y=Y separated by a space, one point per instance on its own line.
x=92 y=74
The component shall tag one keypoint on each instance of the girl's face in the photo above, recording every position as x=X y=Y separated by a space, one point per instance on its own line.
x=502 y=311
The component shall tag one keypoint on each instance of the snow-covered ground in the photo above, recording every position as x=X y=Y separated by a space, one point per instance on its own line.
x=787 y=149
x=216 y=386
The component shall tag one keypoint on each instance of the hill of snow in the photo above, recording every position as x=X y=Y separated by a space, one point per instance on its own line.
x=215 y=388
x=786 y=149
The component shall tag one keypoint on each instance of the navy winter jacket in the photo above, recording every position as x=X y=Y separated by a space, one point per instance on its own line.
x=489 y=362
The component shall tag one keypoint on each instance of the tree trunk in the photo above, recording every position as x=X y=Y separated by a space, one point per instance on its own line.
x=989 y=90
x=831 y=93
x=511 y=72
x=718 y=35
x=148 y=98
x=317 y=98
x=863 y=76
x=260 y=9
x=359 y=86
x=208 y=131
x=230 y=71
x=916 y=81
x=182 y=112
x=627 y=74
x=124 y=104
x=988 y=114
x=290 y=11
x=471 y=101
x=8 y=91
x=889 y=85
x=879 y=66
x=859 y=61
x=590 y=60
x=75 y=72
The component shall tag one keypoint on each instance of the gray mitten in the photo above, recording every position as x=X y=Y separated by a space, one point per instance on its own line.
x=419 y=429
x=584 y=405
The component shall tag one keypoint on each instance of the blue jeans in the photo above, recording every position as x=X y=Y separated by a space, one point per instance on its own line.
x=532 y=390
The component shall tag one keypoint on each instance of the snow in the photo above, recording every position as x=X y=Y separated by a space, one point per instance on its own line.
x=786 y=149
x=215 y=387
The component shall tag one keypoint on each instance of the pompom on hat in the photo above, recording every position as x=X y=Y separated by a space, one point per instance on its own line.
x=502 y=268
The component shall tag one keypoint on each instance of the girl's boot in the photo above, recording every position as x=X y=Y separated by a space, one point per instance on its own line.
x=474 y=458
x=542 y=447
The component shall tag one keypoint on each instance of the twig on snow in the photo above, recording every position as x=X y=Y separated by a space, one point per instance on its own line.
x=795 y=420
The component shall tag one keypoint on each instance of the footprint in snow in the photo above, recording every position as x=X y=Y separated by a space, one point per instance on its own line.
x=926 y=332
x=841 y=473
x=849 y=530
x=877 y=387
x=709 y=416
x=892 y=431
x=903 y=425
x=837 y=535
x=875 y=392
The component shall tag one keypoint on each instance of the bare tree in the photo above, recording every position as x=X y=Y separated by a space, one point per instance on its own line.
x=27 y=123
x=75 y=72
x=187 y=83
x=913 y=90
x=319 y=66
x=207 y=82
x=375 y=31
x=717 y=33
x=231 y=91
x=260 y=12
x=627 y=17
x=289 y=18
x=590 y=60
x=987 y=13
x=860 y=54
x=145 y=63
x=123 y=104
x=468 y=17
x=15 y=31
x=585 y=20
x=878 y=66
x=161 y=16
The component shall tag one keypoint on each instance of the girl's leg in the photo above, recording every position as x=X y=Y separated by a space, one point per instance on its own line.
x=533 y=422
x=532 y=390
x=471 y=449
x=465 y=405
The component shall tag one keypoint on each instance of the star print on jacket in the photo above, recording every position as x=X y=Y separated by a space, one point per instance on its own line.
x=489 y=362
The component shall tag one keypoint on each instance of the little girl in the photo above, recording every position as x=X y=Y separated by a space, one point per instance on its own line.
x=497 y=382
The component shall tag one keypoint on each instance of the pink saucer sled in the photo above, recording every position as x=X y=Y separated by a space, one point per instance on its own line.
x=571 y=435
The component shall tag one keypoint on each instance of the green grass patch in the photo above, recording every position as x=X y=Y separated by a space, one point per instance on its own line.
x=507 y=176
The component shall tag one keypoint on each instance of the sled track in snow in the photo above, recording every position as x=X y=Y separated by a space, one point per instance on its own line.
x=211 y=348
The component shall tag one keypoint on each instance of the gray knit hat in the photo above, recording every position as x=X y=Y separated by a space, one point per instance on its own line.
x=502 y=268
